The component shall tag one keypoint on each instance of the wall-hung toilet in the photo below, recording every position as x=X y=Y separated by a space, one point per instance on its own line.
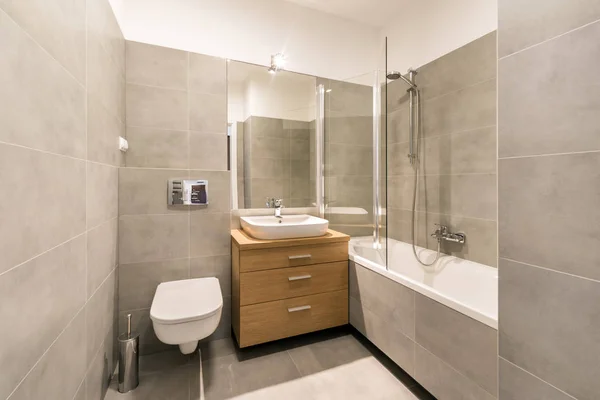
x=184 y=312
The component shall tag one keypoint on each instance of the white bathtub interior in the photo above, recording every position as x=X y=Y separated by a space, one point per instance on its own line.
x=466 y=286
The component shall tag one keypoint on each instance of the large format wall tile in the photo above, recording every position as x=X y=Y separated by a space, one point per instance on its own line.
x=210 y=234
x=217 y=266
x=473 y=63
x=549 y=326
x=103 y=131
x=443 y=381
x=523 y=24
x=469 y=195
x=105 y=78
x=98 y=374
x=518 y=384
x=47 y=105
x=156 y=66
x=467 y=345
x=207 y=74
x=153 y=237
x=100 y=315
x=101 y=193
x=208 y=112
x=102 y=27
x=543 y=198
x=144 y=191
x=468 y=108
x=157 y=148
x=27 y=228
x=138 y=282
x=555 y=112
x=208 y=151
x=49 y=290
x=101 y=253
x=59 y=26
x=153 y=107
x=61 y=370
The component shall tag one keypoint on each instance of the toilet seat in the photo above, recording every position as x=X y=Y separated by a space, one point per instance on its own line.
x=186 y=300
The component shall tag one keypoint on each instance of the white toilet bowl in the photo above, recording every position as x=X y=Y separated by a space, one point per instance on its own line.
x=184 y=312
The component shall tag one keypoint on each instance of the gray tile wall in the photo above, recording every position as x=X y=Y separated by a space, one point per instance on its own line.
x=278 y=159
x=451 y=355
x=349 y=154
x=177 y=128
x=457 y=150
x=62 y=78
x=549 y=191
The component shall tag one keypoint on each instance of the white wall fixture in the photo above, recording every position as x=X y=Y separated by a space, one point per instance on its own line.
x=123 y=144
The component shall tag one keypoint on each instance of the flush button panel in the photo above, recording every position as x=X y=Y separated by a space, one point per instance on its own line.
x=190 y=192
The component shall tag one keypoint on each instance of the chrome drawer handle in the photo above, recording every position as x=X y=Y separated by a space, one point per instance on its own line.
x=298 y=278
x=301 y=308
x=300 y=257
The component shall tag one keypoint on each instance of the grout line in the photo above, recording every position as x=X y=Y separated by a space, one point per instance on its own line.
x=42 y=253
x=549 y=154
x=535 y=376
x=80 y=385
x=549 y=39
x=57 y=154
x=551 y=270
x=47 y=350
x=454 y=369
x=24 y=31
x=155 y=86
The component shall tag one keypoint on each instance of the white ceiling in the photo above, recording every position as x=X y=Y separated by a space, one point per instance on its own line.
x=371 y=12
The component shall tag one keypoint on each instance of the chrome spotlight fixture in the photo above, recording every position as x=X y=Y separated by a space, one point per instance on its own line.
x=277 y=63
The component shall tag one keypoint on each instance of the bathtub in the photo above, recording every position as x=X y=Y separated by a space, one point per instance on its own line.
x=465 y=286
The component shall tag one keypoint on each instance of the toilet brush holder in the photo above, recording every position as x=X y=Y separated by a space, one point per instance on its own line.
x=129 y=357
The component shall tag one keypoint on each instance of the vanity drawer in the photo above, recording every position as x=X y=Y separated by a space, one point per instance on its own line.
x=294 y=256
x=274 y=320
x=283 y=283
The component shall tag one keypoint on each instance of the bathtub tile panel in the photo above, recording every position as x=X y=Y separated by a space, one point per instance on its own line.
x=467 y=345
x=384 y=335
x=443 y=381
x=470 y=195
x=550 y=326
x=390 y=300
x=554 y=195
x=518 y=384
x=481 y=244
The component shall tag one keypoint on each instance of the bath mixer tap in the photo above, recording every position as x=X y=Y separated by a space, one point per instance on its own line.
x=277 y=204
x=443 y=233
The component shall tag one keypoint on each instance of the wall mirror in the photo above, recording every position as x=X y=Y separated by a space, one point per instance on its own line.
x=271 y=119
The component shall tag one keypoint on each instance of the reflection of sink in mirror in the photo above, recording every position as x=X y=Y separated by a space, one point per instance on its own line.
x=286 y=227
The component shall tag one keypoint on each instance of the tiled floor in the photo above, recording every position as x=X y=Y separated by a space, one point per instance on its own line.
x=336 y=364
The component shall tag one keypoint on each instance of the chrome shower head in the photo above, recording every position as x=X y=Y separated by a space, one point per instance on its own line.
x=393 y=75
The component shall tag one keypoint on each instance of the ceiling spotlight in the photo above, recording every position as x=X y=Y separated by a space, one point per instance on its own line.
x=277 y=62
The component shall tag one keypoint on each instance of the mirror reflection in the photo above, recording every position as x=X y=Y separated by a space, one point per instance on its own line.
x=271 y=136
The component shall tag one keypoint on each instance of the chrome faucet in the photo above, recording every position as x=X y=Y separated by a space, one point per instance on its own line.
x=277 y=204
x=443 y=233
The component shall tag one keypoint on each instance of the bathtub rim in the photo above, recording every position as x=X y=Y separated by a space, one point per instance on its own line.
x=427 y=291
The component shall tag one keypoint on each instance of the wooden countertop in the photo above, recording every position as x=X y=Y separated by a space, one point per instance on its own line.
x=246 y=242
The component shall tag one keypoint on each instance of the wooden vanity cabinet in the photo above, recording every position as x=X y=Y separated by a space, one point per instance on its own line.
x=283 y=288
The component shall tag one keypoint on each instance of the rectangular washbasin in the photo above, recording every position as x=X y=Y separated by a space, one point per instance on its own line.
x=286 y=227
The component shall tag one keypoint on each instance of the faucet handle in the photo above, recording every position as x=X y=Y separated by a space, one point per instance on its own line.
x=278 y=202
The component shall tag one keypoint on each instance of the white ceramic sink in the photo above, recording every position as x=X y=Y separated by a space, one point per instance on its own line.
x=286 y=227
